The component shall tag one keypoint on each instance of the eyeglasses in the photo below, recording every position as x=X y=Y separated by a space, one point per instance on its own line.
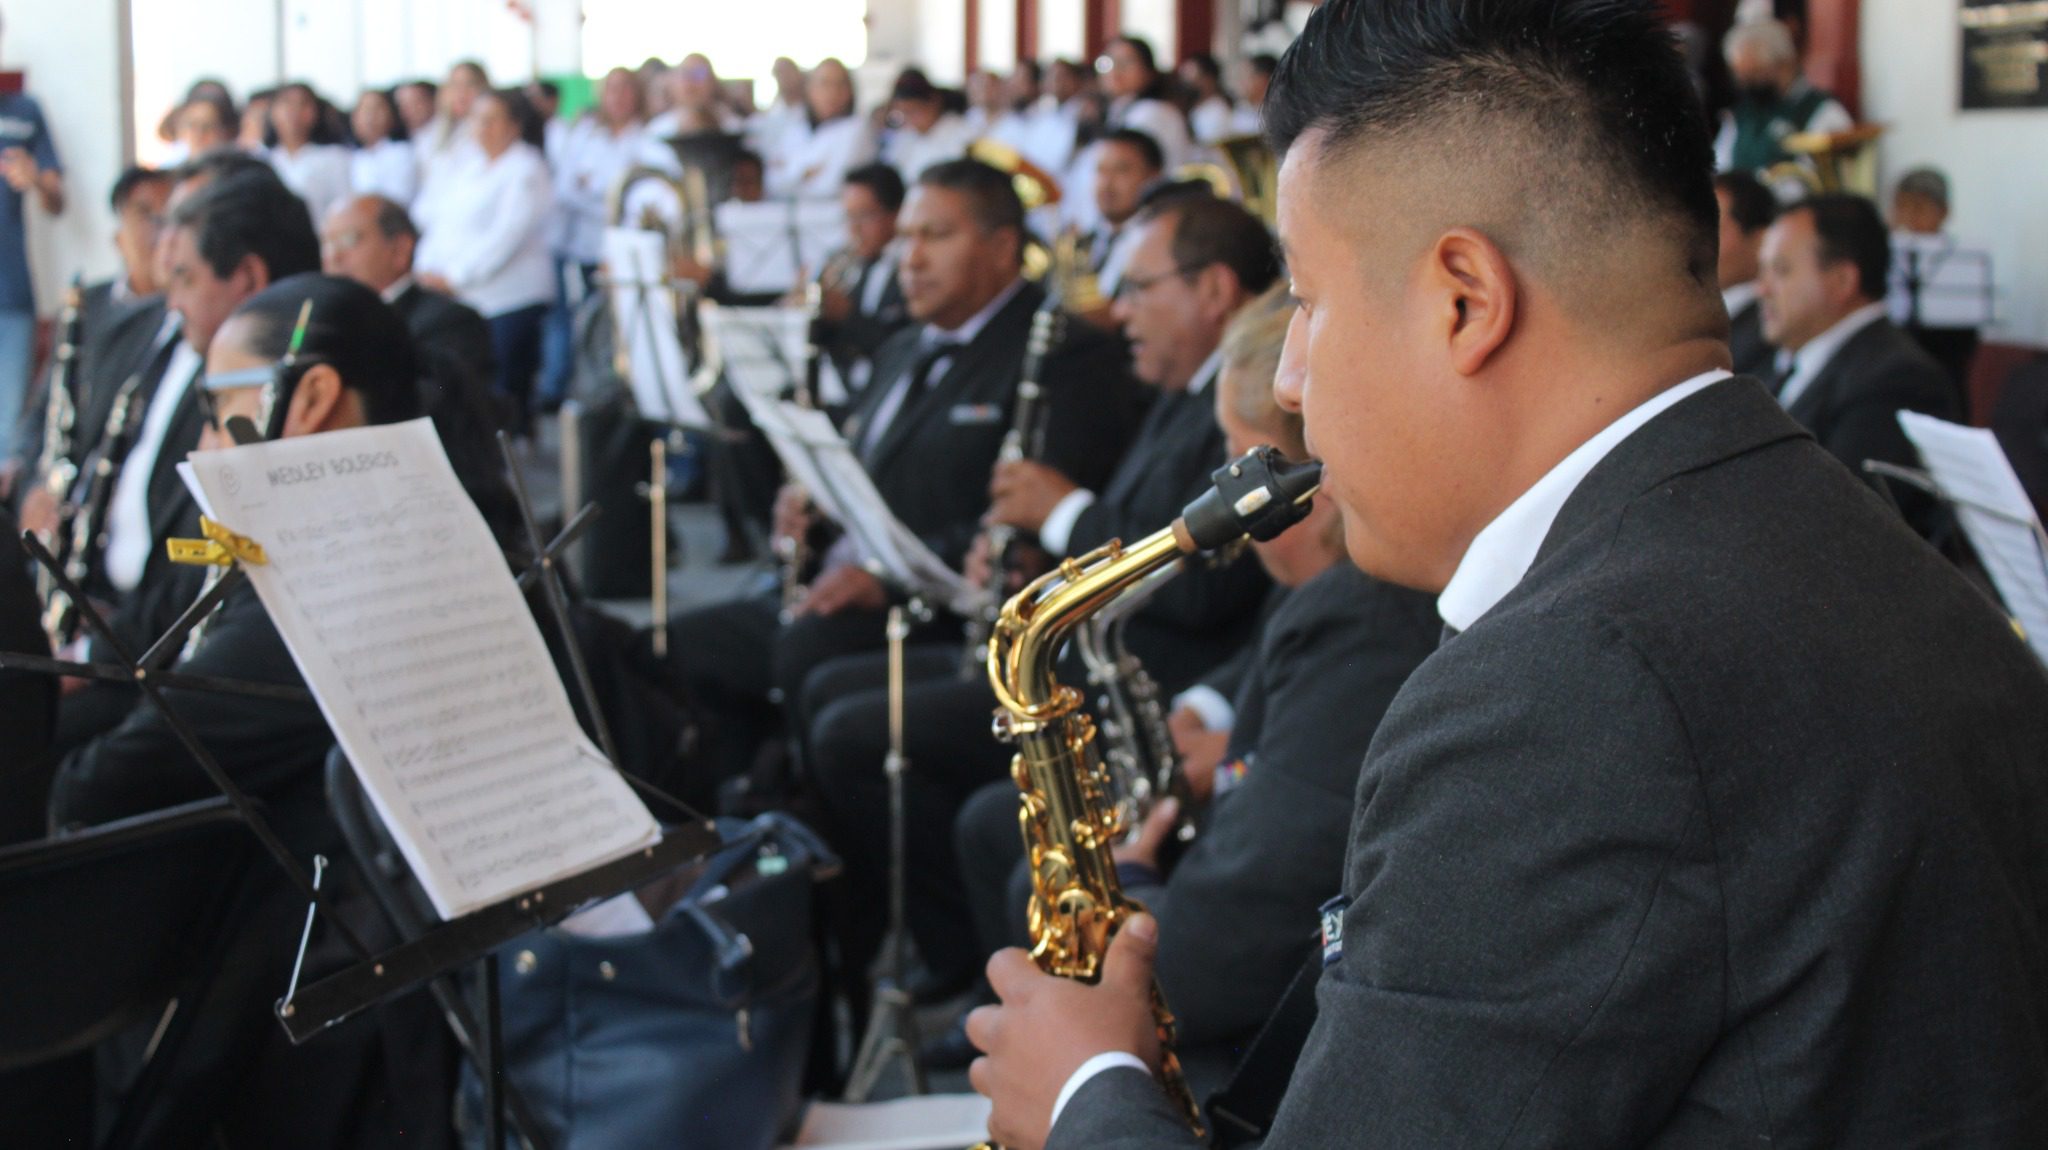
x=276 y=379
x=1132 y=286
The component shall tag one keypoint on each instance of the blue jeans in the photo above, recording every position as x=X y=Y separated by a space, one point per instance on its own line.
x=17 y=353
x=558 y=337
x=515 y=336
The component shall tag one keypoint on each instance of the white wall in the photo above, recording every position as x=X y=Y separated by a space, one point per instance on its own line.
x=996 y=35
x=1997 y=162
x=72 y=53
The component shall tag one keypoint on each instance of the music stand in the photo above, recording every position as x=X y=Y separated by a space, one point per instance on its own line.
x=376 y=978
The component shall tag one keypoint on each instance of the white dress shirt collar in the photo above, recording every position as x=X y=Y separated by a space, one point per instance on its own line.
x=1206 y=373
x=1738 y=297
x=1810 y=359
x=965 y=333
x=1504 y=549
x=398 y=287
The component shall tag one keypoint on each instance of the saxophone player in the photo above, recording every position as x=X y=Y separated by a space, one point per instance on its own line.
x=1714 y=820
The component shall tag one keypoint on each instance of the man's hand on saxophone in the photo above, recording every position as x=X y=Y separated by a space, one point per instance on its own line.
x=1046 y=1028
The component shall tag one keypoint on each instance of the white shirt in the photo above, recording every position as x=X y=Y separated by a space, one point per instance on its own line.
x=1246 y=120
x=1049 y=141
x=1738 y=297
x=319 y=173
x=910 y=153
x=1159 y=120
x=587 y=165
x=386 y=168
x=1058 y=529
x=485 y=231
x=814 y=160
x=129 y=534
x=1809 y=359
x=1501 y=553
x=396 y=288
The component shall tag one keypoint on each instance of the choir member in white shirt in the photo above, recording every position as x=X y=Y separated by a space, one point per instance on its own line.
x=594 y=154
x=777 y=126
x=448 y=142
x=1211 y=116
x=314 y=168
x=924 y=132
x=1137 y=100
x=203 y=125
x=416 y=101
x=832 y=141
x=1254 y=75
x=694 y=104
x=383 y=163
x=987 y=103
x=484 y=239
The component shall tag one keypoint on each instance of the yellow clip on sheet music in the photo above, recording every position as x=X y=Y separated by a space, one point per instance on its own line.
x=220 y=548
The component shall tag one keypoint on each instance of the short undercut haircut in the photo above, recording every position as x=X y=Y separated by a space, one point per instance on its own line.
x=1208 y=231
x=1750 y=204
x=1851 y=231
x=991 y=195
x=1593 y=92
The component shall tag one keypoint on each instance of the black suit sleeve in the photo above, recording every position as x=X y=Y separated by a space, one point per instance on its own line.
x=141 y=766
x=1867 y=427
x=1535 y=908
x=1121 y=1109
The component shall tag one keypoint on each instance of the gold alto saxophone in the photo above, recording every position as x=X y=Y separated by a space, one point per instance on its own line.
x=1067 y=817
x=1137 y=743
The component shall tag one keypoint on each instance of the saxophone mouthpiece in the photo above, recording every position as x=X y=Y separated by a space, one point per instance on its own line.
x=1260 y=495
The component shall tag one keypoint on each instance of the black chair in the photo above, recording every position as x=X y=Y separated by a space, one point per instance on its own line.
x=108 y=930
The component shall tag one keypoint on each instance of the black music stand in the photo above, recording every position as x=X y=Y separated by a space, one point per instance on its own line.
x=442 y=948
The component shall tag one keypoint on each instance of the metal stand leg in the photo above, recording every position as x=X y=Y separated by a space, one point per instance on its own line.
x=892 y=1021
x=493 y=1025
x=657 y=505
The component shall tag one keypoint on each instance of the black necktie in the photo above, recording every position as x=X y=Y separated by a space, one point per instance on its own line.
x=923 y=371
x=1783 y=376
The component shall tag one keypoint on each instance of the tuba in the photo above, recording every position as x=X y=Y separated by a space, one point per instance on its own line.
x=677 y=206
x=1245 y=169
x=1067 y=818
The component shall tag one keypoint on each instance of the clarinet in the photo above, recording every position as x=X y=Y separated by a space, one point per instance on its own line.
x=83 y=544
x=60 y=416
x=1024 y=440
x=1137 y=745
x=794 y=551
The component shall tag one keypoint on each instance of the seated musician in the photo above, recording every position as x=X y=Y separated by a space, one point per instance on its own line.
x=1197 y=262
x=927 y=429
x=861 y=304
x=355 y=366
x=1328 y=658
x=1715 y=819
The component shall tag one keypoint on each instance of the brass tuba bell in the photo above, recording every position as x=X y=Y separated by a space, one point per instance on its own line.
x=1245 y=170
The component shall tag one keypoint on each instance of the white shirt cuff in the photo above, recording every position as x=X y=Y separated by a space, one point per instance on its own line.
x=1209 y=704
x=1109 y=1060
x=1059 y=523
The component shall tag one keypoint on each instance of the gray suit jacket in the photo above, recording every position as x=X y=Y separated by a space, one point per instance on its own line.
x=1722 y=828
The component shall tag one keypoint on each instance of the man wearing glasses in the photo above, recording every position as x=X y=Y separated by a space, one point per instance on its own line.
x=1194 y=263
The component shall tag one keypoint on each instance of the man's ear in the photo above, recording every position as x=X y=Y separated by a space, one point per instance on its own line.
x=254 y=272
x=1844 y=282
x=1476 y=285
x=316 y=401
x=1218 y=292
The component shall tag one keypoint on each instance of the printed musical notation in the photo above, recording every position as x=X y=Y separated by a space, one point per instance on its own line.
x=397 y=606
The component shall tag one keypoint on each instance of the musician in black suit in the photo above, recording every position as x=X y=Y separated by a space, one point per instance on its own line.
x=1716 y=821
x=1852 y=371
x=28 y=702
x=370 y=239
x=1196 y=264
x=1747 y=209
x=861 y=308
x=229 y=237
x=239 y=1073
x=927 y=430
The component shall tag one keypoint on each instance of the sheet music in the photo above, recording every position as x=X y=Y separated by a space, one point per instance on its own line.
x=1975 y=475
x=762 y=350
x=770 y=245
x=399 y=610
x=644 y=315
x=904 y=558
x=926 y=1122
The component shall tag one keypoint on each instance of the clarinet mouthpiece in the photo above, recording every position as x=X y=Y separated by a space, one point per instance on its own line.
x=1260 y=495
